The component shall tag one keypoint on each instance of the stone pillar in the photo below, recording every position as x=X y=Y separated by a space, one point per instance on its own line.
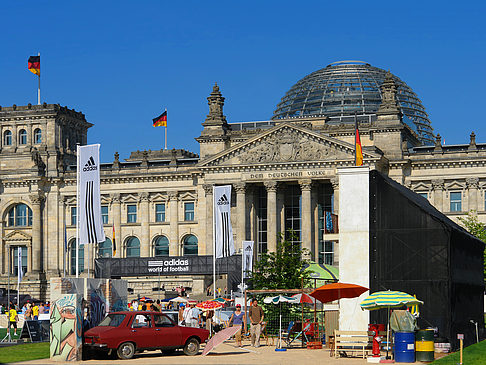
x=335 y=188
x=472 y=186
x=271 y=187
x=116 y=206
x=208 y=193
x=173 y=224
x=306 y=219
x=145 y=250
x=438 y=187
x=240 y=214
x=36 y=251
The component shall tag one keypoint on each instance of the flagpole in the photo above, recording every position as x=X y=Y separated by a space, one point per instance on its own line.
x=355 y=139
x=38 y=89
x=77 y=210
x=214 y=251
x=19 y=273
x=165 y=140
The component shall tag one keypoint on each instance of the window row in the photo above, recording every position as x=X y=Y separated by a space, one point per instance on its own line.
x=132 y=216
x=7 y=137
x=455 y=200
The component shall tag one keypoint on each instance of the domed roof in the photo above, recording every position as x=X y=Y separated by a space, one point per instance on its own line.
x=344 y=88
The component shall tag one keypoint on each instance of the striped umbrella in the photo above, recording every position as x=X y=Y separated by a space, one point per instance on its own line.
x=303 y=298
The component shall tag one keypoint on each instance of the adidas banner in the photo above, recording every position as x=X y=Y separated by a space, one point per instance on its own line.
x=90 y=221
x=247 y=259
x=222 y=221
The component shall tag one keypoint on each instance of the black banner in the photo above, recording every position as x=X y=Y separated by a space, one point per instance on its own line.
x=36 y=331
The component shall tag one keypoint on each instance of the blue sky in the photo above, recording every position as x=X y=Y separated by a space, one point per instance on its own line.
x=122 y=62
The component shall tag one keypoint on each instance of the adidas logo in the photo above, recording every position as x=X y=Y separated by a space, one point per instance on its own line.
x=90 y=165
x=223 y=200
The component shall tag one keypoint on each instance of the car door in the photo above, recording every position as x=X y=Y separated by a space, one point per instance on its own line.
x=142 y=331
x=168 y=334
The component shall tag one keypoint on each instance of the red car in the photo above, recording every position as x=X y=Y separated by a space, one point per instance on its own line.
x=128 y=332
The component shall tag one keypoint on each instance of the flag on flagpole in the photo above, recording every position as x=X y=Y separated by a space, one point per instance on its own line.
x=223 y=231
x=34 y=65
x=114 y=242
x=19 y=265
x=357 y=143
x=161 y=120
x=90 y=219
x=247 y=259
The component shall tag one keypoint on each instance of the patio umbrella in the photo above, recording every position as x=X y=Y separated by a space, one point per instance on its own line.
x=219 y=338
x=322 y=271
x=303 y=298
x=331 y=292
x=146 y=299
x=388 y=299
x=278 y=300
x=209 y=305
x=178 y=300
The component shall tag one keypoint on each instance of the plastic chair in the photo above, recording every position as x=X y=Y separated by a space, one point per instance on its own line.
x=302 y=333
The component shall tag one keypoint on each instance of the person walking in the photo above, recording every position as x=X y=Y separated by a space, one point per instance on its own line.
x=13 y=319
x=181 y=314
x=256 y=317
x=238 y=318
x=194 y=316
x=186 y=316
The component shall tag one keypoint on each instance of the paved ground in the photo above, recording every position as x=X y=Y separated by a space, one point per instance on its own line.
x=227 y=353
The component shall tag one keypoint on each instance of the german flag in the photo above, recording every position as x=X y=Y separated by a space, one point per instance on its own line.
x=357 y=141
x=34 y=64
x=114 y=242
x=161 y=120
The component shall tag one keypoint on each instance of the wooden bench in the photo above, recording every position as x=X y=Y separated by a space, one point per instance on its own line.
x=351 y=342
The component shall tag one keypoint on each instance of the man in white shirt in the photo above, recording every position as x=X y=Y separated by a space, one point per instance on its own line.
x=194 y=316
x=186 y=316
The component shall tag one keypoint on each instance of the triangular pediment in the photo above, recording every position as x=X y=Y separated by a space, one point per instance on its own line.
x=286 y=143
x=17 y=236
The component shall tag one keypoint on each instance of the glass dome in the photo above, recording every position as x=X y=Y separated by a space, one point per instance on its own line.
x=344 y=88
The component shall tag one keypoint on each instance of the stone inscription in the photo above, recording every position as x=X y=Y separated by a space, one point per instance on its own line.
x=288 y=175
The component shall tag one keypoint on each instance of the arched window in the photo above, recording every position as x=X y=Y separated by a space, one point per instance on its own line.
x=7 y=138
x=161 y=246
x=105 y=248
x=190 y=245
x=133 y=247
x=37 y=136
x=20 y=215
x=23 y=136
x=80 y=256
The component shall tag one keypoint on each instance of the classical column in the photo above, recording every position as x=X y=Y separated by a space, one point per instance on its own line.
x=208 y=192
x=240 y=214
x=472 y=186
x=438 y=187
x=335 y=188
x=144 y=216
x=306 y=218
x=36 y=251
x=116 y=206
x=173 y=224
x=271 y=187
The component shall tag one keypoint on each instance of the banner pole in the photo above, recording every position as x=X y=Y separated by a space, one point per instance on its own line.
x=77 y=210
x=214 y=250
x=38 y=89
x=165 y=130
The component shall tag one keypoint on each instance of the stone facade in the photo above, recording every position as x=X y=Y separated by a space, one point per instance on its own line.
x=283 y=173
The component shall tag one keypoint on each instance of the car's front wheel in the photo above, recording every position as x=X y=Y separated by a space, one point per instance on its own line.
x=191 y=347
x=126 y=350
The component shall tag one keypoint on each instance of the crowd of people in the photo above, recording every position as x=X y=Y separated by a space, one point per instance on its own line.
x=30 y=311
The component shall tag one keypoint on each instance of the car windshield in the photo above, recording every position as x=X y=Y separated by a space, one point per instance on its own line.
x=112 y=320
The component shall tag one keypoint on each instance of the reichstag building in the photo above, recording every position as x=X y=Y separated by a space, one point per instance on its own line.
x=283 y=172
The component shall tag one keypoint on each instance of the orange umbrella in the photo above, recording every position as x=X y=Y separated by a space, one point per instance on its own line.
x=330 y=292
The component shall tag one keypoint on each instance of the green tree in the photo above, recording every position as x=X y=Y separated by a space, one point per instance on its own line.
x=284 y=268
x=476 y=228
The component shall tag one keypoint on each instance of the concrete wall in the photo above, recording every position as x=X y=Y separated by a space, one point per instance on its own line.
x=353 y=243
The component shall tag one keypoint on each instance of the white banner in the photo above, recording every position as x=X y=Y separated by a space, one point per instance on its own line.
x=225 y=246
x=247 y=259
x=90 y=221
x=19 y=264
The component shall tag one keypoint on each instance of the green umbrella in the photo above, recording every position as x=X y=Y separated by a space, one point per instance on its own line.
x=322 y=271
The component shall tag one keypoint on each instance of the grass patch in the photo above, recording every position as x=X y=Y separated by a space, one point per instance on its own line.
x=24 y=352
x=3 y=332
x=474 y=354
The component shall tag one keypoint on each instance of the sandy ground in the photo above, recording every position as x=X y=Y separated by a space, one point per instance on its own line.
x=227 y=353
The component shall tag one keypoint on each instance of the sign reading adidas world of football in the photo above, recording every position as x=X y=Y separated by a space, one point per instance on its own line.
x=89 y=207
x=222 y=221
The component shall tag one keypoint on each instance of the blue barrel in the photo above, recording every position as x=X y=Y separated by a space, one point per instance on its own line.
x=404 y=347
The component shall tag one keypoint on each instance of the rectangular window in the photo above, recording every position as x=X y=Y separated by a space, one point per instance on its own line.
x=160 y=212
x=424 y=195
x=104 y=214
x=15 y=256
x=188 y=211
x=74 y=215
x=131 y=213
x=326 y=252
x=455 y=199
